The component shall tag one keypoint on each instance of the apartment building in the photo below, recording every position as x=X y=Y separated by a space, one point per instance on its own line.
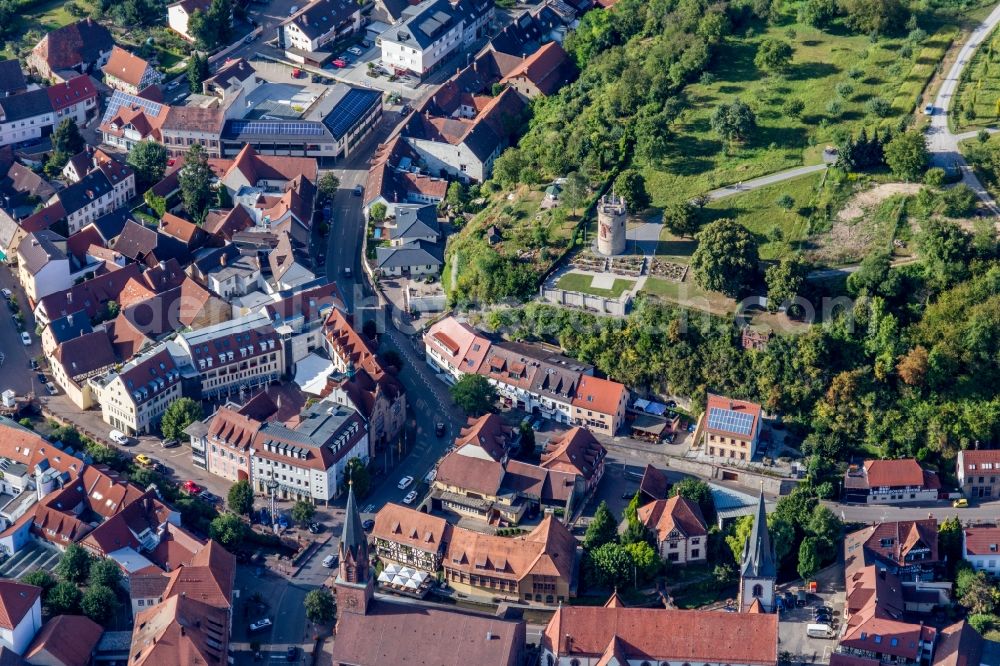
x=179 y=15
x=978 y=473
x=319 y=23
x=530 y=377
x=730 y=429
x=107 y=187
x=233 y=358
x=981 y=548
x=134 y=398
x=28 y=116
x=184 y=126
x=307 y=461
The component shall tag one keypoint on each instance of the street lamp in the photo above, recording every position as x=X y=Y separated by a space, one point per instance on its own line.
x=272 y=487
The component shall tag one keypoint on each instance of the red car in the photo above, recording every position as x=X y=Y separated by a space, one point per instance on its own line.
x=339 y=63
x=191 y=488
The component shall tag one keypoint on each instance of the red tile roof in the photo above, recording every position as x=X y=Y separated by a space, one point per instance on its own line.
x=731 y=404
x=599 y=395
x=576 y=451
x=68 y=640
x=488 y=432
x=76 y=90
x=694 y=636
x=415 y=529
x=970 y=461
x=125 y=66
x=545 y=68
x=16 y=600
x=676 y=513
x=888 y=473
x=982 y=541
x=470 y=473
x=548 y=550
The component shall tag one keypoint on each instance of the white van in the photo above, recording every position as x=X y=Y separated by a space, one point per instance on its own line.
x=329 y=560
x=819 y=631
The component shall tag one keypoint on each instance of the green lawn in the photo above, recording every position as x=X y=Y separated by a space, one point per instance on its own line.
x=821 y=63
x=582 y=283
x=778 y=231
x=979 y=90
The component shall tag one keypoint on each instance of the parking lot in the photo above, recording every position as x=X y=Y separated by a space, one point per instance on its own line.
x=792 y=628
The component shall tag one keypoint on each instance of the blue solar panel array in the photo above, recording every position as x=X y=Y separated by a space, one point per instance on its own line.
x=275 y=128
x=740 y=423
x=349 y=110
x=120 y=99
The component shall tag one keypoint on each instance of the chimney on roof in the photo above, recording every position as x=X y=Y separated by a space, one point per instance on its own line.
x=224 y=259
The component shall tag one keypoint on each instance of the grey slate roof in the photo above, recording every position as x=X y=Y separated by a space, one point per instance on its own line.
x=71 y=326
x=318 y=17
x=416 y=222
x=25 y=105
x=353 y=538
x=90 y=188
x=41 y=247
x=758 y=553
x=416 y=253
x=11 y=77
x=424 y=25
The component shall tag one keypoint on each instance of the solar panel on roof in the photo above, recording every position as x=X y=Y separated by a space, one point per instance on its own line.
x=120 y=99
x=730 y=421
x=349 y=110
x=275 y=127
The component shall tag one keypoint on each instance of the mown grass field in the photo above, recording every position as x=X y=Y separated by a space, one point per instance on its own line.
x=825 y=66
x=582 y=283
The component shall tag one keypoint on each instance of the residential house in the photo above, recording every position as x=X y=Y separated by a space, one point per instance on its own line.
x=77 y=360
x=21 y=190
x=463 y=136
x=20 y=615
x=129 y=119
x=906 y=548
x=431 y=32
x=576 y=452
x=75 y=98
x=91 y=296
x=233 y=357
x=129 y=73
x=78 y=48
x=978 y=473
x=307 y=460
x=228 y=440
x=63 y=330
x=43 y=267
x=613 y=634
x=414 y=259
x=25 y=118
x=108 y=187
x=413 y=633
x=729 y=429
x=395 y=177
x=890 y=482
x=134 y=398
x=51 y=647
x=680 y=529
x=228 y=271
x=179 y=15
x=413 y=223
x=981 y=548
x=184 y=126
x=318 y=23
x=362 y=381
x=542 y=73
x=540 y=566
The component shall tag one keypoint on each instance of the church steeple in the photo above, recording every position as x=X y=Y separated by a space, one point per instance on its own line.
x=354 y=582
x=758 y=572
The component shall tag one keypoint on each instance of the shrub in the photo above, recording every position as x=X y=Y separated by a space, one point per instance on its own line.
x=878 y=107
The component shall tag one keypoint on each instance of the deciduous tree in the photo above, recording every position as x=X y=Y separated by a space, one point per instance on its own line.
x=179 y=415
x=907 y=155
x=603 y=528
x=734 y=121
x=320 y=606
x=726 y=257
x=240 y=497
x=99 y=603
x=196 y=183
x=74 y=565
x=773 y=55
x=474 y=394
x=149 y=161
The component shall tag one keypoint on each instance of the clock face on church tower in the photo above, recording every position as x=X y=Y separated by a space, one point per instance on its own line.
x=351 y=602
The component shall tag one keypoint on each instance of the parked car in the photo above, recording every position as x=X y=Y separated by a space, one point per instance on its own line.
x=960 y=503
x=431 y=475
x=42 y=378
x=929 y=110
x=354 y=50
x=283 y=521
x=144 y=460
x=296 y=73
x=169 y=443
x=249 y=39
x=410 y=496
x=294 y=9
x=339 y=63
x=315 y=528
x=368 y=525
x=118 y=437
x=358 y=190
x=823 y=609
x=347 y=271
x=260 y=625
x=51 y=388
x=801 y=598
x=439 y=429
x=190 y=487
x=25 y=339
x=405 y=482
x=33 y=364
x=209 y=497
x=330 y=561
x=293 y=653
x=6 y=293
